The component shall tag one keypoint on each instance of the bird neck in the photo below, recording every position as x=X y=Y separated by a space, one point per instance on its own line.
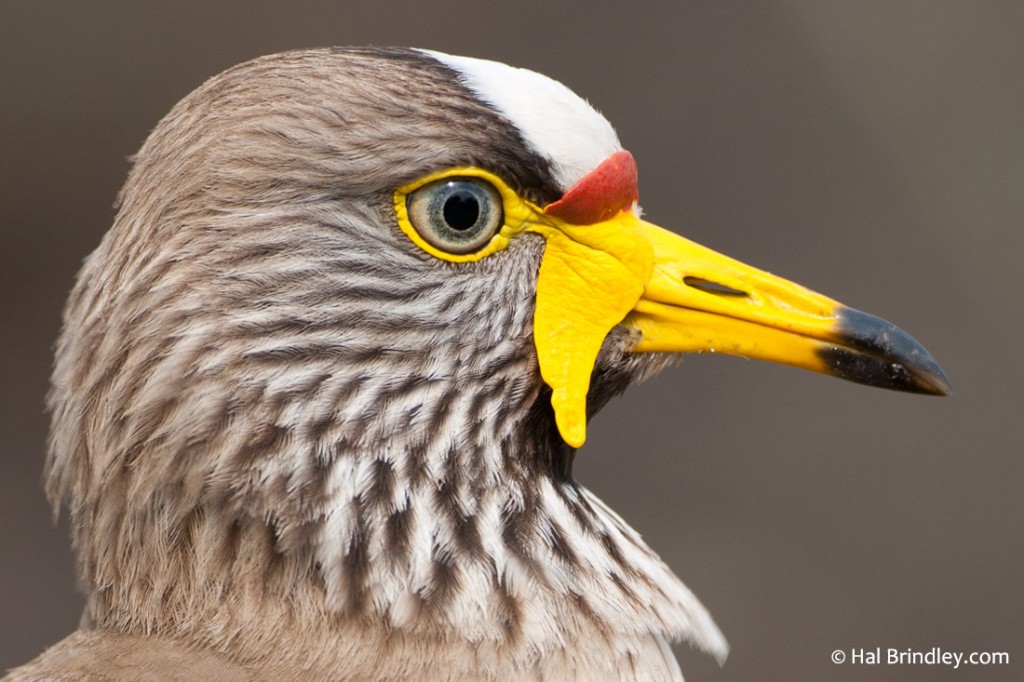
x=485 y=544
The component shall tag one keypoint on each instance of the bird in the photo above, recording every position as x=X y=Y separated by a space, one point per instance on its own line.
x=319 y=390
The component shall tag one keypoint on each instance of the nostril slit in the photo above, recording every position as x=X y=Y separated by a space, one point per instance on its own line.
x=710 y=287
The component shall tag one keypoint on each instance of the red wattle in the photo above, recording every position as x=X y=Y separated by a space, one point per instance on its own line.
x=600 y=194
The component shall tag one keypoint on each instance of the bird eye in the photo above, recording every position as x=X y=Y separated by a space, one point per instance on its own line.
x=457 y=215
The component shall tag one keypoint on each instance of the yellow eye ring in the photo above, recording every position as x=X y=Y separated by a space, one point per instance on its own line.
x=416 y=205
x=458 y=214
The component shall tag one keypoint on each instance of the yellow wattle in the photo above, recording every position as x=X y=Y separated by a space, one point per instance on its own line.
x=590 y=278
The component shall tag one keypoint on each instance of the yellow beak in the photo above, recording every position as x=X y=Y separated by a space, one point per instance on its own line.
x=699 y=300
x=685 y=298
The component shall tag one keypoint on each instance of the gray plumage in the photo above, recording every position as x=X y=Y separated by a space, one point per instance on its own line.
x=294 y=445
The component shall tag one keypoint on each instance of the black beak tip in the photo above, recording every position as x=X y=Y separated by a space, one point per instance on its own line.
x=875 y=352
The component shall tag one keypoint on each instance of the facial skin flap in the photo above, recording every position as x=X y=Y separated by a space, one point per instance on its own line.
x=599 y=195
x=595 y=268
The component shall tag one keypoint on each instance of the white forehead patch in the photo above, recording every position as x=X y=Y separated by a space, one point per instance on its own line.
x=556 y=122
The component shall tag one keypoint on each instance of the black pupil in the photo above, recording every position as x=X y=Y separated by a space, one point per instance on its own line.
x=461 y=210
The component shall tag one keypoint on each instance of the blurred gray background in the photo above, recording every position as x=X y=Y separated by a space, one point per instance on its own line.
x=871 y=150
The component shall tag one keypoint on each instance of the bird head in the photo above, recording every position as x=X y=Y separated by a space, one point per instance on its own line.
x=344 y=338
